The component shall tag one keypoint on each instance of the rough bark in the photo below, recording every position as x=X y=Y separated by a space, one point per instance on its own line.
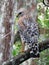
x=7 y=26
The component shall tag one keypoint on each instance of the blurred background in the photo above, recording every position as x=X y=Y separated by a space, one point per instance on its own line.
x=42 y=13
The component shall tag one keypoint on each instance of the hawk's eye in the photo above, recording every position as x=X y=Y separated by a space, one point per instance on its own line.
x=46 y=2
x=19 y=14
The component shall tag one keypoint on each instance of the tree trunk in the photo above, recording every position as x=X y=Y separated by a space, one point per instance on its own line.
x=7 y=25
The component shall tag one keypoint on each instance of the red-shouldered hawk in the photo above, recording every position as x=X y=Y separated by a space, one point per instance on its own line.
x=29 y=33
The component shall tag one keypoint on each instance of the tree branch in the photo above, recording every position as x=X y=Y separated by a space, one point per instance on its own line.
x=43 y=45
x=26 y=55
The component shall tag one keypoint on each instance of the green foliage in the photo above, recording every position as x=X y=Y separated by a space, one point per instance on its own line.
x=43 y=21
x=16 y=48
x=39 y=0
x=46 y=22
x=43 y=15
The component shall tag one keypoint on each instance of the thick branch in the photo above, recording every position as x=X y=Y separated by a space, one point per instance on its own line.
x=43 y=45
x=26 y=55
